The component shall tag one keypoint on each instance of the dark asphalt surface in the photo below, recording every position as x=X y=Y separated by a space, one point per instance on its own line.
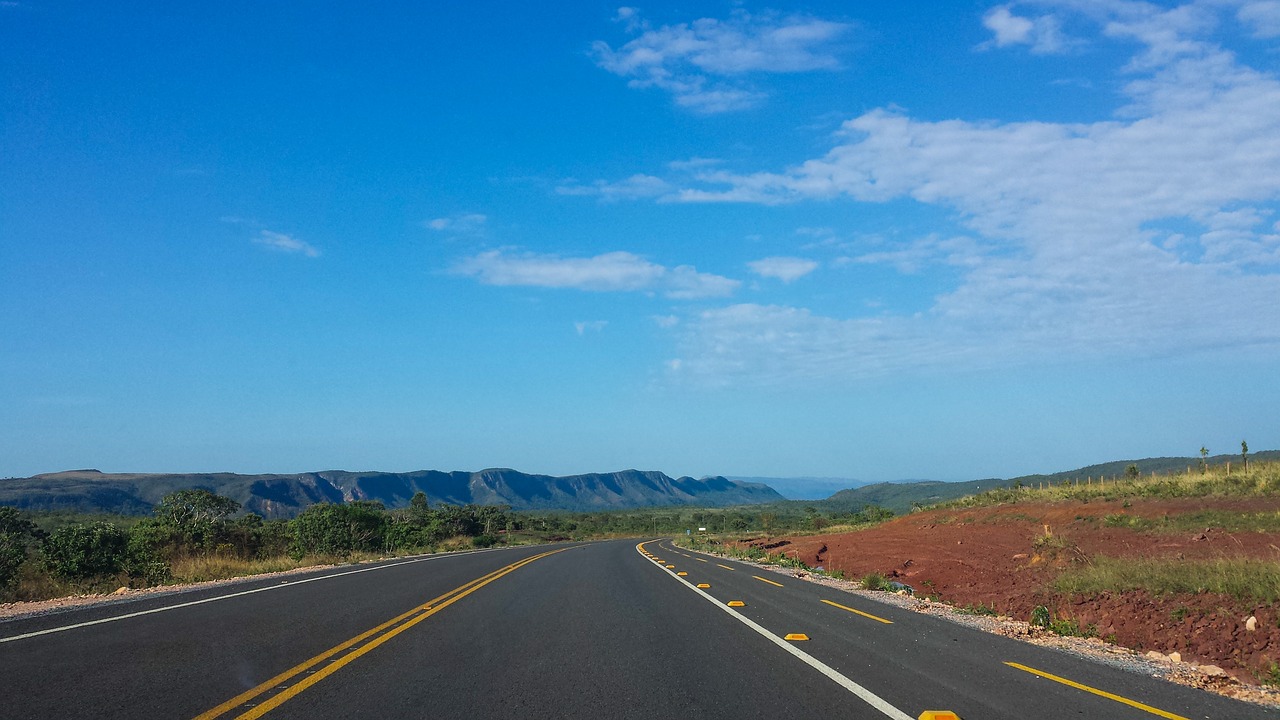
x=593 y=631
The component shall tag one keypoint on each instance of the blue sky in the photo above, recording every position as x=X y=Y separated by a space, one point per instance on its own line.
x=861 y=240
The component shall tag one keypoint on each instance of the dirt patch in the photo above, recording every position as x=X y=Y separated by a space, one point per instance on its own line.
x=1004 y=558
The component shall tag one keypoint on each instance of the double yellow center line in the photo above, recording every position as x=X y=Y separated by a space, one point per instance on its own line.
x=374 y=637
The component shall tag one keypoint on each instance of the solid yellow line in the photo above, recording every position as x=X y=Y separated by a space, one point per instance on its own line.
x=441 y=601
x=859 y=612
x=726 y=567
x=1095 y=691
x=768 y=581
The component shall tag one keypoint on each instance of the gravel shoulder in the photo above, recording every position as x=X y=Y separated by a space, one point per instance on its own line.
x=1207 y=677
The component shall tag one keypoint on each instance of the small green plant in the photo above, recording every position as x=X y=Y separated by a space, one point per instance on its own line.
x=1040 y=617
x=1179 y=613
x=1272 y=677
x=874 y=581
x=978 y=609
x=1066 y=627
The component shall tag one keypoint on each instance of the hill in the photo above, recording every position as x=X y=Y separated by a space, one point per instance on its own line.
x=802 y=488
x=276 y=496
x=900 y=497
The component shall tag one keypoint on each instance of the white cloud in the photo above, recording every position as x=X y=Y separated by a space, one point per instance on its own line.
x=683 y=59
x=766 y=342
x=585 y=326
x=1263 y=17
x=1068 y=257
x=1009 y=28
x=684 y=282
x=462 y=223
x=666 y=321
x=912 y=257
x=285 y=243
x=786 y=269
x=1043 y=33
x=632 y=188
x=608 y=272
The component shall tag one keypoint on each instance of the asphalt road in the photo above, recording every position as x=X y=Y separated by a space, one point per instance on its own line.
x=597 y=630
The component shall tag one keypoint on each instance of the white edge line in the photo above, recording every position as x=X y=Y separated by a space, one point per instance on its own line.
x=866 y=695
x=282 y=585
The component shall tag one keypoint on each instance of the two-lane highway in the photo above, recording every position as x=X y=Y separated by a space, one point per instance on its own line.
x=600 y=630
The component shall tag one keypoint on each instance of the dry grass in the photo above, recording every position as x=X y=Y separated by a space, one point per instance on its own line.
x=1246 y=579
x=1260 y=479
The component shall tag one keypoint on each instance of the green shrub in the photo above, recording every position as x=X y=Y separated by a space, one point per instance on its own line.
x=484 y=541
x=16 y=532
x=328 y=529
x=86 y=552
x=1040 y=617
x=874 y=581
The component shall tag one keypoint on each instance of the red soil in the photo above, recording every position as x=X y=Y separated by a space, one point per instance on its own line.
x=988 y=556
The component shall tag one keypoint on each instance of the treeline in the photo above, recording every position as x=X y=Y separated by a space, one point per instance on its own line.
x=197 y=523
x=191 y=530
x=786 y=517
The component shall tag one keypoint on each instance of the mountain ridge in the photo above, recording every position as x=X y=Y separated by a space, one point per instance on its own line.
x=280 y=495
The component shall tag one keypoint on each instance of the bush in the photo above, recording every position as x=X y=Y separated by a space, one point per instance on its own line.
x=15 y=534
x=484 y=541
x=86 y=552
x=1040 y=617
x=874 y=581
x=328 y=529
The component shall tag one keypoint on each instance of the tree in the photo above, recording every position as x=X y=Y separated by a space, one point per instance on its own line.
x=1132 y=471
x=16 y=532
x=1204 y=453
x=1244 y=454
x=198 y=515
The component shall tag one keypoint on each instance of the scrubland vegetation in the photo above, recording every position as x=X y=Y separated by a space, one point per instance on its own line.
x=1240 y=480
x=195 y=535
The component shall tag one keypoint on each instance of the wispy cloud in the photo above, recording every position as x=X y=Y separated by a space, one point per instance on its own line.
x=1263 y=18
x=585 y=326
x=458 y=223
x=703 y=64
x=1149 y=233
x=608 y=272
x=786 y=269
x=912 y=257
x=632 y=188
x=285 y=243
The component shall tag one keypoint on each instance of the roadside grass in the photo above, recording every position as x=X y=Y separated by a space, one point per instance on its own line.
x=34 y=585
x=1259 y=479
x=1187 y=522
x=201 y=568
x=1245 y=579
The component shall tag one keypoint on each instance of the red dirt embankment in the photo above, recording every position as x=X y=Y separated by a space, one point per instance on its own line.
x=990 y=557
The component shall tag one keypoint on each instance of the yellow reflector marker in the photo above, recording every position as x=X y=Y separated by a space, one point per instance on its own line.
x=737 y=603
x=704 y=585
x=682 y=573
x=796 y=636
x=671 y=567
x=938 y=715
